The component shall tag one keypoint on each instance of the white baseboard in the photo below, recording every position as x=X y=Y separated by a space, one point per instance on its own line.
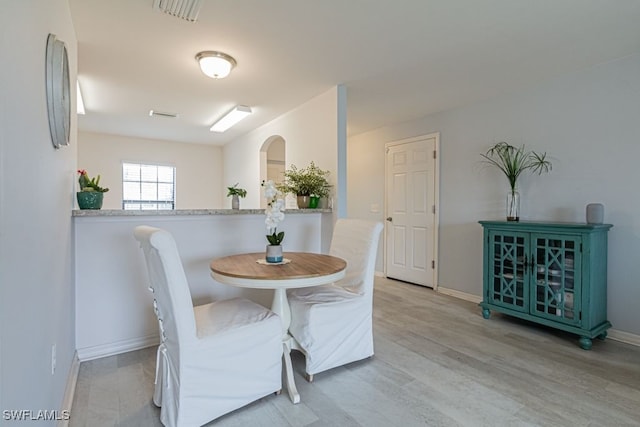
x=104 y=350
x=459 y=294
x=70 y=389
x=625 y=337
x=379 y=274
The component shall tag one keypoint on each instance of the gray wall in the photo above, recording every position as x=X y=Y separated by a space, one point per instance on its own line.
x=36 y=185
x=589 y=122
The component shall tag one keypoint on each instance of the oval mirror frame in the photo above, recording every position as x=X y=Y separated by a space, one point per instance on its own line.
x=58 y=91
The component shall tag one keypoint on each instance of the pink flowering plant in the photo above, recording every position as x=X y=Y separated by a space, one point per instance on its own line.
x=274 y=212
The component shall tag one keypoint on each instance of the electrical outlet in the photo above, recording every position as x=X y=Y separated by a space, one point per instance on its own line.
x=53 y=359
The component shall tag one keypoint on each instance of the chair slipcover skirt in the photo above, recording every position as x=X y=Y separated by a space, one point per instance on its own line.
x=225 y=369
x=332 y=325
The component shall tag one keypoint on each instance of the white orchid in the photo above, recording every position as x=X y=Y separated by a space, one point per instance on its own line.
x=274 y=212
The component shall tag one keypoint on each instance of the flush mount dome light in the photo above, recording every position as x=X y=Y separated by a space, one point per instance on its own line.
x=216 y=65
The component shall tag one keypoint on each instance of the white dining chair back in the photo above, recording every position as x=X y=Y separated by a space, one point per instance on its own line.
x=356 y=241
x=333 y=324
x=213 y=358
x=169 y=285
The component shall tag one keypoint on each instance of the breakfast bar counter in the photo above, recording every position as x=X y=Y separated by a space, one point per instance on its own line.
x=114 y=311
x=188 y=212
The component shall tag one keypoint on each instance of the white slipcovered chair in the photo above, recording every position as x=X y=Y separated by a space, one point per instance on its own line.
x=213 y=358
x=333 y=324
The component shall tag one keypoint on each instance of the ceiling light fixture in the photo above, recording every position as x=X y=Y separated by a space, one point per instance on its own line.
x=216 y=65
x=231 y=118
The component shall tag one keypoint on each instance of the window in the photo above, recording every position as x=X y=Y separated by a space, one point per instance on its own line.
x=148 y=187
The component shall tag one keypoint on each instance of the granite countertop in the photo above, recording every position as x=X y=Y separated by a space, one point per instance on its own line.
x=179 y=212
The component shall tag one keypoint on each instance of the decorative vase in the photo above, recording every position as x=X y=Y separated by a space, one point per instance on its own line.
x=313 y=202
x=90 y=199
x=303 y=202
x=513 y=206
x=323 y=203
x=235 y=202
x=274 y=253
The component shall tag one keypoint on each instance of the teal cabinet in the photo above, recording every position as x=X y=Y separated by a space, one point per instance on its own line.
x=549 y=273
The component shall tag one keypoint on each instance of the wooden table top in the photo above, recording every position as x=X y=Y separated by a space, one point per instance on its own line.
x=303 y=265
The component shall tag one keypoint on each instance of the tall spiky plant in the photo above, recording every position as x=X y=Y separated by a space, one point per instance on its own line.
x=513 y=161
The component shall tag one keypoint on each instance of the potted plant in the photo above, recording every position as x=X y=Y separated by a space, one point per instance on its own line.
x=91 y=194
x=275 y=215
x=513 y=161
x=324 y=194
x=305 y=184
x=235 y=194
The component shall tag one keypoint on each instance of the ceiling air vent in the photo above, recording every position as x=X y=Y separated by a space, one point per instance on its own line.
x=183 y=9
x=156 y=113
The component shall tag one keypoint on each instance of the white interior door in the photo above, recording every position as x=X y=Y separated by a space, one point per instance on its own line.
x=411 y=225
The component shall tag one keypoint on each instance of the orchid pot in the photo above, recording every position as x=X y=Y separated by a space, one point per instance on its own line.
x=274 y=253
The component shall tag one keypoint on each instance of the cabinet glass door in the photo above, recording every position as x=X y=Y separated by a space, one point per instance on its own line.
x=555 y=288
x=507 y=273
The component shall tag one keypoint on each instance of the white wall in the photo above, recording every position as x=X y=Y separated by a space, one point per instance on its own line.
x=198 y=167
x=310 y=133
x=36 y=198
x=365 y=183
x=587 y=121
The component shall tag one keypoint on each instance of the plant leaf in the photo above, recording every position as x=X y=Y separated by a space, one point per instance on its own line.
x=512 y=161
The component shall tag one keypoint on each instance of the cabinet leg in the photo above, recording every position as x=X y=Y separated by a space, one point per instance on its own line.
x=602 y=336
x=585 y=343
x=486 y=313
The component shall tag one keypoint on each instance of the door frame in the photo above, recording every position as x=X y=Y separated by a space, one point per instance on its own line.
x=436 y=195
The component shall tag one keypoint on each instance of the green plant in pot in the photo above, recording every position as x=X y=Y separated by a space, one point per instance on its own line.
x=324 y=193
x=235 y=193
x=91 y=194
x=512 y=161
x=306 y=183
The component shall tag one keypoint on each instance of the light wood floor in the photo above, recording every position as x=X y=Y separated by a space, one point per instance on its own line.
x=437 y=363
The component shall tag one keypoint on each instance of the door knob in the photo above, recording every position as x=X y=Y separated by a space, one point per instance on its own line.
x=389 y=219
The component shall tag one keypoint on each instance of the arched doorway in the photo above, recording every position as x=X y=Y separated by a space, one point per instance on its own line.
x=272 y=161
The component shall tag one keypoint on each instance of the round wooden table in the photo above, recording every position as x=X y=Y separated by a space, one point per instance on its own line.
x=300 y=269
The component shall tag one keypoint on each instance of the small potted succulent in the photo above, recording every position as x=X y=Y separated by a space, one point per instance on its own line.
x=91 y=194
x=235 y=193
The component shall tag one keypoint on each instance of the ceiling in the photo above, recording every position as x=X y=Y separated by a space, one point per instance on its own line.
x=399 y=59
